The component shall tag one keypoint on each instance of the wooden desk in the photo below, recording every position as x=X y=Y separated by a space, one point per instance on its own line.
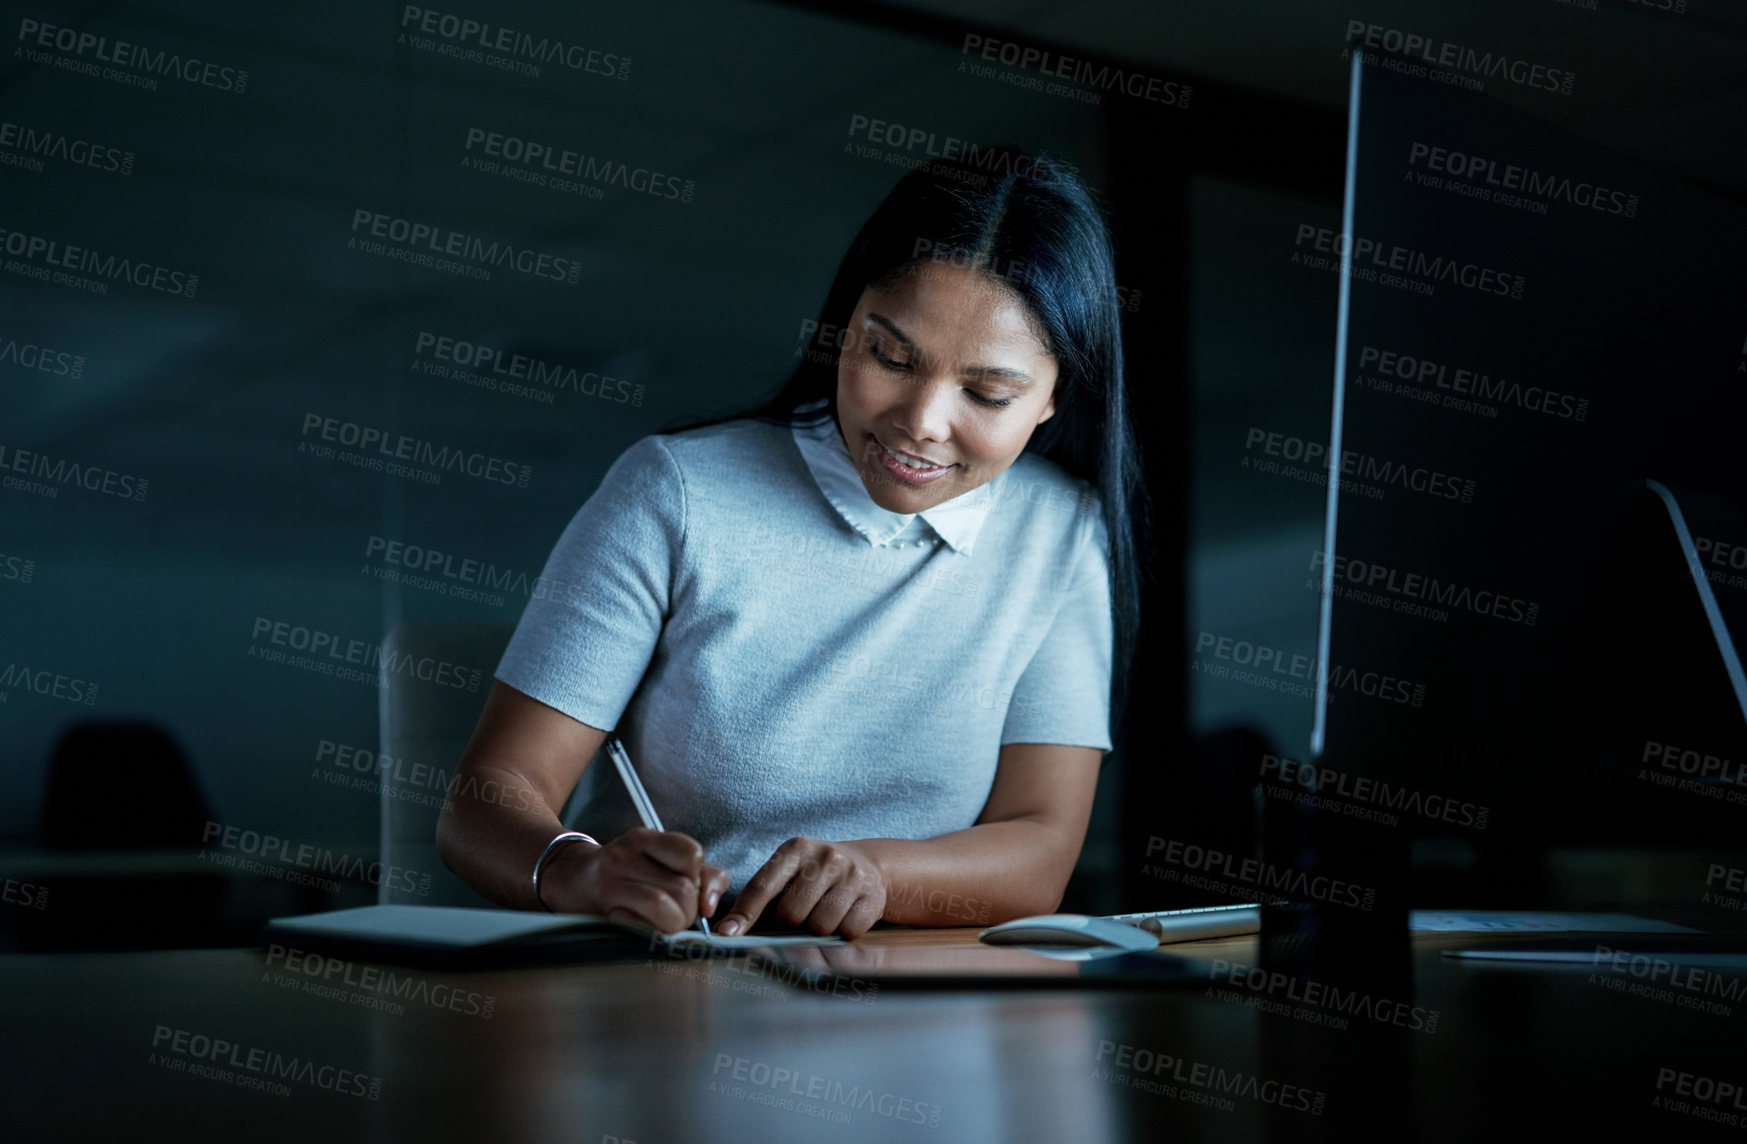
x=633 y=1052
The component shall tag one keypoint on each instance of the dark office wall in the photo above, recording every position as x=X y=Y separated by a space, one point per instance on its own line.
x=727 y=185
x=274 y=322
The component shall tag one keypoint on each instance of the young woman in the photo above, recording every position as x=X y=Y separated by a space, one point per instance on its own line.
x=862 y=644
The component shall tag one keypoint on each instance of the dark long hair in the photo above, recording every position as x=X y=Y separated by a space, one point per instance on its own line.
x=1029 y=222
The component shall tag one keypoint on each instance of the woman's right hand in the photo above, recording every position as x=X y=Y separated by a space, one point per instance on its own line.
x=652 y=877
x=521 y=766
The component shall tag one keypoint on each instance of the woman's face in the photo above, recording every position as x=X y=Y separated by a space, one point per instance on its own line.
x=941 y=368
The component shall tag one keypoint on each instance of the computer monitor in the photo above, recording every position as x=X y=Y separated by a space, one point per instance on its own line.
x=1534 y=497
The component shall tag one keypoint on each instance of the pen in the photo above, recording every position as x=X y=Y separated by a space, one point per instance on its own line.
x=640 y=797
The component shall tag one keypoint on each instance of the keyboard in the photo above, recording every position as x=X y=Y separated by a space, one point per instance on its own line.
x=1198 y=923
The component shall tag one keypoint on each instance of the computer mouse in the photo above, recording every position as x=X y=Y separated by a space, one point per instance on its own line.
x=1069 y=929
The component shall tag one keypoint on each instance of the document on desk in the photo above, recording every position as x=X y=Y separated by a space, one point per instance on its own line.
x=1534 y=921
x=1659 y=958
x=466 y=935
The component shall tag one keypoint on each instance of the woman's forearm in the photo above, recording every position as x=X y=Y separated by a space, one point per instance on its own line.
x=503 y=804
x=983 y=875
x=494 y=825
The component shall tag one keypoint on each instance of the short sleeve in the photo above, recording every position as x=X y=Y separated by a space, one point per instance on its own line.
x=1063 y=695
x=591 y=625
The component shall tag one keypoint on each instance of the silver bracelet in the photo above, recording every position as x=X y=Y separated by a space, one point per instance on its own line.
x=565 y=836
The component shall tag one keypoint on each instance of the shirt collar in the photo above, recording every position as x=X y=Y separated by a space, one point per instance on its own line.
x=956 y=521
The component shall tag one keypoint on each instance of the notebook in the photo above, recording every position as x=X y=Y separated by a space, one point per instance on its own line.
x=463 y=936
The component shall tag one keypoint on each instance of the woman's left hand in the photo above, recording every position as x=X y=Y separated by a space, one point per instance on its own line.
x=830 y=887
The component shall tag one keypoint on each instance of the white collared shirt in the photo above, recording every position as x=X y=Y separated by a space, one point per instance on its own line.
x=956 y=521
x=776 y=672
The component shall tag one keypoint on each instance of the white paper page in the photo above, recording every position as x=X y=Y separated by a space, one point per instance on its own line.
x=745 y=941
x=1533 y=921
x=1731 y=961
x=457 y=926
x=464 y=927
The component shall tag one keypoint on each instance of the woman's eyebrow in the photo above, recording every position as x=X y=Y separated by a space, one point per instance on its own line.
x=997 y=371
x=1006 y=373
x=892 y=326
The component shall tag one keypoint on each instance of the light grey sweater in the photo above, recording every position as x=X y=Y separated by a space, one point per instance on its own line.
x=774 y=672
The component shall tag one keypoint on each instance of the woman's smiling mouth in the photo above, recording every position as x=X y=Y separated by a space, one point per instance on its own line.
x=907 y=467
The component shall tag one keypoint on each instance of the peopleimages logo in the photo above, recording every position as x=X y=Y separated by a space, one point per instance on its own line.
x=271 y=848
x=1734 y=880
x=425 y=244
x=1009 y=269
x=1694 y=772
x=1701 y=1097
x=29 y=355
x=831 y=1099
x=374 y=444
x=16 y=568
x=20 y=677
x=64 y=473
x=461 y=577
x=398 y=770
x=1267 y=988
x=1381 y=262
x=547 y=164
x=1106 y=77
x=368 y=654
x=1462 y=385
x=933 y=145
x=1259 y=878
x=22 y=145
x=1722 y=553
x=45 y=254
x=1689 y=986
x=200 y=1054
x=383 y=989
x=27 y=895
x=1708 y=767
x=1278 y=670
x=487 y=367
x=1360 y=466
x=1506 y=183
x=1460 y=60
x=1418 y=586
x=131 y=63
x=1323 y=782
x=1151 y=1070
x=477 y=41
